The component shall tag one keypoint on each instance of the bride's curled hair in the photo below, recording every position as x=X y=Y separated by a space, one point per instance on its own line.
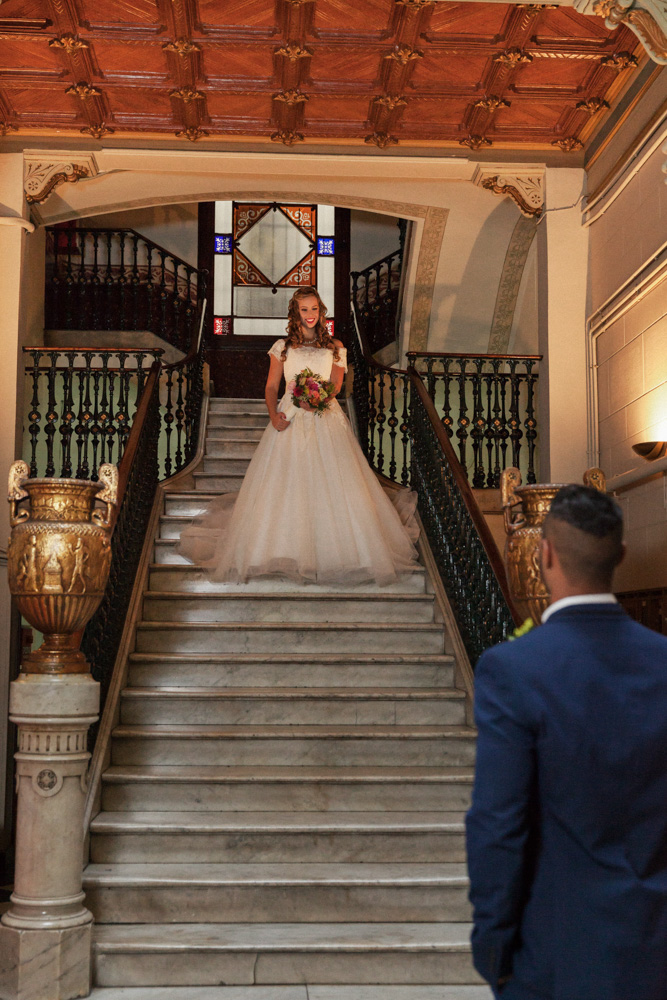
x=294 y=331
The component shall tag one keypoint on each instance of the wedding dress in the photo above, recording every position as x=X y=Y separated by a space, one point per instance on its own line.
x=310 y=508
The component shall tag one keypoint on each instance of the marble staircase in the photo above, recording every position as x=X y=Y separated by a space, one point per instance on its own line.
x=288 y=778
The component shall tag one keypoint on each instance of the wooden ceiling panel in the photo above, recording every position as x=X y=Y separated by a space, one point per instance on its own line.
x=439 y=71
x=32 y=55
x=559 y=75
x=479 y=21
x=129 y=13
x=27 y=9
x=350 y=64
x=238 y=62
x=139 y=100
x=236 y=14
x=336 y=109
x=376 y=71
x=340 y=17
x=256 y=107
x=448 y=112
x=118 y=61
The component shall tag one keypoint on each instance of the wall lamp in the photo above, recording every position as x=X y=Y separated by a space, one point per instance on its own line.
x=651 y=450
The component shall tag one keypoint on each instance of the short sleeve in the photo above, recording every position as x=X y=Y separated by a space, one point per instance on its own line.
x=277 y=349
x=342 y=359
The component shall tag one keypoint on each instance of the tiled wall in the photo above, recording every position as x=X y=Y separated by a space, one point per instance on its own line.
x=631 y=356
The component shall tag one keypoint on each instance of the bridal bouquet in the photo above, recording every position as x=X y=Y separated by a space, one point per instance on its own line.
x=310 y=388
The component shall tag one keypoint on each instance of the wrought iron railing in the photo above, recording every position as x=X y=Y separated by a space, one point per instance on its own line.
x=470 y=566
x=375 y=294
x=117 y=279
x=404 y=439
x=138 y=476
x=488 y=403
x=82 y=404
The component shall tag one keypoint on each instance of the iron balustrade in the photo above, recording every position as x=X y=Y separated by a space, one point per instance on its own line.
x=465 y=553
x=488 y=402
x=404 y=438
x=138 y=476
x=82 y=403
x=375 y=294
x=117 y=279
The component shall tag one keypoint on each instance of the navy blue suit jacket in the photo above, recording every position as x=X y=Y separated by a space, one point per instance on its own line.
x=567 y=834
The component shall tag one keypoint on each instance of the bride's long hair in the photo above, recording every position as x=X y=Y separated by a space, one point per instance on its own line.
x=294 y=331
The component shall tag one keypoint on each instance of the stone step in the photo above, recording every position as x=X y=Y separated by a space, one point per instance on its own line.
x=220 y=482
x=346 y=746
x=224 y=404
x=189 y=504
x=202 y=954
x=275 y=637
x=238 y=789
x=276 y=837
x=310 y=992
x=292 y=706
x=224 y=420
x=195 y=580
x=229 y=447
x=273 y=893
x=284 y=670
x=181 y=606
x=226 y=429
x=165 y=554
x=225 y=466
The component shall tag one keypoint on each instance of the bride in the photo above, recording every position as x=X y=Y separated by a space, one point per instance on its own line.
x=309 y=508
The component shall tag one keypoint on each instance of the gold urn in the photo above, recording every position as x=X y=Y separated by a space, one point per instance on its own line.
x=525 y=508
x=58 y=560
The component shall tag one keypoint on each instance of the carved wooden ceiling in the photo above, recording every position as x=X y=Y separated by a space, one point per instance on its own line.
x=296 y=71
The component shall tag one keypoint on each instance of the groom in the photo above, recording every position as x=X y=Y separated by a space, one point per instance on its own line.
x=567 y=834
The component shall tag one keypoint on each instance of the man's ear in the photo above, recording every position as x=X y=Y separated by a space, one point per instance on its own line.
x=546 y=553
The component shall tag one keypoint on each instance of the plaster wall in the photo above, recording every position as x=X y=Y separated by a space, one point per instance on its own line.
x=629 y=354
x=523 y=337
x=174 y=227
x=372 y=237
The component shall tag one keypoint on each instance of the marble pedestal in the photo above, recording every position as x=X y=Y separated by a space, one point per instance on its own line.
x=45 y=936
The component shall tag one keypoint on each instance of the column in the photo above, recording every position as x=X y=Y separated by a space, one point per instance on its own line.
x=563 y=386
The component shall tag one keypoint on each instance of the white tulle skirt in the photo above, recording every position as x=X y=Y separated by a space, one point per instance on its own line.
x=310 y=509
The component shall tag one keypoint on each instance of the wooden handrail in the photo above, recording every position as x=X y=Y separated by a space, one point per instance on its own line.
x=465 y=489
x=195 y=343
x=490 y=357
x=377 y=263
x=122 y=229
x=131 y=448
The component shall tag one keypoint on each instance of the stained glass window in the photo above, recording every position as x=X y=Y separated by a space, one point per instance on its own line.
x=264 y=251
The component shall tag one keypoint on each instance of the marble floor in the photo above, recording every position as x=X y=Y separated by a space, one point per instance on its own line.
x=294 y=993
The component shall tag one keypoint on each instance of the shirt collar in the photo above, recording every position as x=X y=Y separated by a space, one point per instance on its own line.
x=570 y=602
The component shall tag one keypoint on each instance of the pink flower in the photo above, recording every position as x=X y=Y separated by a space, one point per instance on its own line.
x=291 y=386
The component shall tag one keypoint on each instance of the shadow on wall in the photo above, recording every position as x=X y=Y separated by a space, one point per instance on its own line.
x=476 y=292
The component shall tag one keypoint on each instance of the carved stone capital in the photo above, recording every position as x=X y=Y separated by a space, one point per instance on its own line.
x=44 y=170
x=647 y=18
x=525 y=186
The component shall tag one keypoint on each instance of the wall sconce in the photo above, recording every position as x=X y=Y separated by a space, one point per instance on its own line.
x=651 y=450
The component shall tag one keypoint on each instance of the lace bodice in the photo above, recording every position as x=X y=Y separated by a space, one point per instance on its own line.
x=318 y=359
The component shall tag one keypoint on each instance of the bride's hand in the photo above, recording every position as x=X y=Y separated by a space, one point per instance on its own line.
x=306 y=406
x=280 y=421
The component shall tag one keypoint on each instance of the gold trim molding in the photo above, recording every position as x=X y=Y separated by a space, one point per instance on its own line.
x=646 y=18
x=525 y=186
x=45 y=170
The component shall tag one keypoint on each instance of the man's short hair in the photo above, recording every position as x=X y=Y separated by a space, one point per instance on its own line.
x=594 y=548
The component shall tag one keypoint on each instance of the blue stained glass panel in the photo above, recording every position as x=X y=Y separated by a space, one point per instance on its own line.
x=223 y=244
x=325 y=246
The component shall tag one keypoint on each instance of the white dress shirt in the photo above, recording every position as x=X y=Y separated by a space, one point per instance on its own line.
x=567 y=602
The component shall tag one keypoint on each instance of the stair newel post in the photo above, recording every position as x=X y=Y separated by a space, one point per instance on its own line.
x=530 y=423
x=168 y=421
x=45 y=935
x=514 y=421
x=477 y=432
